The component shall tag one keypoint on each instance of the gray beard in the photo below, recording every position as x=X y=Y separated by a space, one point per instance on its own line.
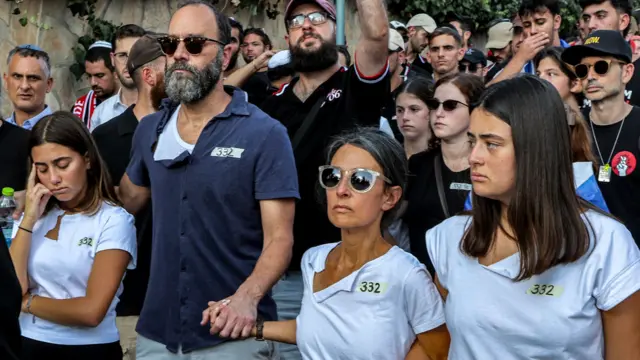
x=188 y=90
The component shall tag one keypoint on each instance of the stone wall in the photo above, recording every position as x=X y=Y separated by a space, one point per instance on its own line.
x=65 y=29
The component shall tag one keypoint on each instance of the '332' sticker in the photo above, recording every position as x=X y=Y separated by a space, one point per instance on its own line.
x=545 y=290
x=372 y=287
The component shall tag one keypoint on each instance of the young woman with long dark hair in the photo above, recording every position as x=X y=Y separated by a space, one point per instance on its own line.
x=439 y=178
x=533 y=271
x=412 y=114
x=71 y=248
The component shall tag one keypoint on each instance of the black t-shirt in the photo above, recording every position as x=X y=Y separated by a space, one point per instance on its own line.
x=349 y=100
x=424 y=209
x=14 y=156
x=421 y=67
x=622 y=194
x=10 y=303
x=114 y=139
x=258 y=87
x=494 y=70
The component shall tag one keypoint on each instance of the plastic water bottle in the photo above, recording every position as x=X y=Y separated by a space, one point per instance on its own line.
x=7 y=207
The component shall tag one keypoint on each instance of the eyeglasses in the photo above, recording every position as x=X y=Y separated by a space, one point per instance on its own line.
x=316 y=18
x=472 y=67
x=601 y=67
x=447 y=105
x=193 y=44
x=360 y=180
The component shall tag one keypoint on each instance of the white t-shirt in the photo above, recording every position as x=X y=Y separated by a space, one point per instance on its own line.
x=170 y=144
x=60 y=269
x=374 y=313
x=554 y=315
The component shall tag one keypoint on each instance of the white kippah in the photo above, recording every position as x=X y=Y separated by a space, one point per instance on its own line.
x=100 y=43
x=279 y=59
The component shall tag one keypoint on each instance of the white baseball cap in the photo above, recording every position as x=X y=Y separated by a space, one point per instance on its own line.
x=395 y=40
x=424 y=21
x=280 y=58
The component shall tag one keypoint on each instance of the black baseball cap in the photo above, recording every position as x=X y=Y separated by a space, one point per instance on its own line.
x=475 y=56
x=599 y=43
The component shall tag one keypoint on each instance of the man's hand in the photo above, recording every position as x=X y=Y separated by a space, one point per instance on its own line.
x=532 y=45
x=261 y=61
x=233 y=317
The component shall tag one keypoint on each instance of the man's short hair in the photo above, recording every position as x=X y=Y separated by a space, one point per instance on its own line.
x=622 y=6
x=32 y=51
x=127 y=31
x=259 y=32
x=98 y=53
x=529 y=7
x=235 y=24
x=224 y=29
x=446 y=30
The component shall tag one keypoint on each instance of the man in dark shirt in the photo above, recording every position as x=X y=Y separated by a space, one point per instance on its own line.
x=398 y=77
x=255 y=42
x=146 y=65
x=10 y=302
x=325 y=100
x=420 y=27
x=14 y=161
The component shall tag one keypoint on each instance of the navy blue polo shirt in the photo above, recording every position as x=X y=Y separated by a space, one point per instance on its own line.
x=207 y=230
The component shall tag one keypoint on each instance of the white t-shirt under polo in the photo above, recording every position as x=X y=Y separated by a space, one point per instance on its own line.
x=374 y=313
x=60 y=269
x=554 y=315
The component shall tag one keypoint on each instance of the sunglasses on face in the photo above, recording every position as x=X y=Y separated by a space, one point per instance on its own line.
x=447 y=105
x=360 y=180
x=471 y=67
x=316 y=18
x=193 y=44
x=601 y=67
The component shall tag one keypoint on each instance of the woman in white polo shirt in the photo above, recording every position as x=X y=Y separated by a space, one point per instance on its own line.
x=534 y=272
x=363 y=298
x=71 y=247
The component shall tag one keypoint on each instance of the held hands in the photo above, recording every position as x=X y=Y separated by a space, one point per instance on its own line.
x=37 y=198
x=234 y=317
x=532 y=45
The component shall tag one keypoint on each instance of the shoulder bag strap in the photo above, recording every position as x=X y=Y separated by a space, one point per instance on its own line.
x=306 y=124
x=443 y=199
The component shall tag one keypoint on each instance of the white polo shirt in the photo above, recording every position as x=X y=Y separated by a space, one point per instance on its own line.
x=107 y=110
x=59 y=269
x=374 y=313
x=554 y=315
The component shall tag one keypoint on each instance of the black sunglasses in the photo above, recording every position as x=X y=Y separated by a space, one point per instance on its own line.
x=360 y=180
x=472 y=67
x=193 y=44
x=601 y=67
x=316 y=18
x=447 y=105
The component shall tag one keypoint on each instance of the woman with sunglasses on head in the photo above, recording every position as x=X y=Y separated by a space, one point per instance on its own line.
x=412 y=114
x=534 y=271
x=363 y=298
x=71 y=248
x=439 y=178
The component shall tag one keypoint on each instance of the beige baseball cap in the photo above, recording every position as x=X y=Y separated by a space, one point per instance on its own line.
x=396 y=42
x=500 y=35
x=424 y=21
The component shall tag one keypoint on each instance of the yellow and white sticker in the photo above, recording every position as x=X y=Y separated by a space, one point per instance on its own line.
x=372 y=287
x=545 y=290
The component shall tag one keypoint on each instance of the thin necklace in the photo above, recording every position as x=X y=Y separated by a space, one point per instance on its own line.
x=614 y=143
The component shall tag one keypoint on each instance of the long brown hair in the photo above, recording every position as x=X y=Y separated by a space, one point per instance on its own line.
x=580 y=137
x=471 y=86
x=63 y=128
x=545 y=214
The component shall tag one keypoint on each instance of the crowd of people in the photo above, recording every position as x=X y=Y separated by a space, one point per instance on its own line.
x=409 y=196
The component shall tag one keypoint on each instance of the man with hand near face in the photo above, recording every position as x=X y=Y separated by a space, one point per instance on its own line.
x=124 y=39
x=541 y=22
x=28 y=81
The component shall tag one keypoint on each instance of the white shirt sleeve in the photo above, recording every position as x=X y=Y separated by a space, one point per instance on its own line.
x=615 y=265
x=436 y=247
x=119 y=233
x=423 y=303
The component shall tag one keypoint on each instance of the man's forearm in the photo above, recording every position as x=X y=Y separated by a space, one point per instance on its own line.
x=373 y=19
x=271 y=265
